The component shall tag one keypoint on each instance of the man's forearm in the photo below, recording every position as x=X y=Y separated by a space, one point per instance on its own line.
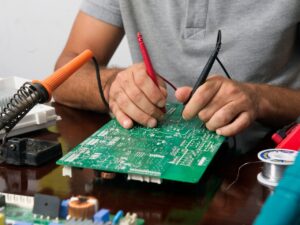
x=277 y=105
x=81 y=89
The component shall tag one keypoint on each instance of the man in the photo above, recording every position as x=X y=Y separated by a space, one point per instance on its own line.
x=260 y=51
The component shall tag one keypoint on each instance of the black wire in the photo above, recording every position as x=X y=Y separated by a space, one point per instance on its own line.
x=227 y=74
x=99 y=82
x=223 y=67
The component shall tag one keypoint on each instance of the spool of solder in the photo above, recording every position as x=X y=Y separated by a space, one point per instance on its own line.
x=82 y=207
x=275 y=162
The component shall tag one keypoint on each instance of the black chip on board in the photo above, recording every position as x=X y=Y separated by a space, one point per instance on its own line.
x=46 y=205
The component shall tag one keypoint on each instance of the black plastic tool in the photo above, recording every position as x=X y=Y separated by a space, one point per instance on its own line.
x=27 y=151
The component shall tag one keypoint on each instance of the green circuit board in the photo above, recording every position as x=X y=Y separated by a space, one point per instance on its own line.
x=19 y=209
x=175 y=150
x=15 y=214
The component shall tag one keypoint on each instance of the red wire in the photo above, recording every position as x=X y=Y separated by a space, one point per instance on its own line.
x=169 y=83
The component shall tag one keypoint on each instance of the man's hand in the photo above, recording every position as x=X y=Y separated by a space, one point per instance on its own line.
x=224 y=105
x=133 y=96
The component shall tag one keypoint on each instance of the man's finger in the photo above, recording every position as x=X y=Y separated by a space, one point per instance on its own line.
x=239 y=124
x=153 y=93
x=203 y=95
x=183 y=93
x=134 y=112
x=224 y=115
x=122 y=118
x=139 y=99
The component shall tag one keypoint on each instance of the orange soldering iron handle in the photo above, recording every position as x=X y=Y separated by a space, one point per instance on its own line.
x=63 y=73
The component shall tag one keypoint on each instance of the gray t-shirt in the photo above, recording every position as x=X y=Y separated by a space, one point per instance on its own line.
x=260 y=41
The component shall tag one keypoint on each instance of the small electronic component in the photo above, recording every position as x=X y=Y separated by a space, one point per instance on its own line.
x=67 y=171
x=46 y=205
x=2 y=200
x=27 y=151
x=129 y=219
x=64 y=207
x=117 y=217
x=102 y=216
x=82 y=207
x=2 y=219
x=141 y=178
x=107 y=176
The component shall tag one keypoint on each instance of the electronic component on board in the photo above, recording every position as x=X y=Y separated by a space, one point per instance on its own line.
x=82 y=207
x=46 y=205
x=117 y=217
x=19 y=200
x=107 y=175
x=102 y=216
x=147 y=179
x=129 y=219
x=64 y=207
x=2 y=201
x=2 y=219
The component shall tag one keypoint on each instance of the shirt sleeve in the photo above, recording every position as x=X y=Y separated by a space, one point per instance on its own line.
x=105 y=10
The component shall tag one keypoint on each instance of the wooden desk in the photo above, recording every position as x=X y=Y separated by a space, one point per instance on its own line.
x=169 y=203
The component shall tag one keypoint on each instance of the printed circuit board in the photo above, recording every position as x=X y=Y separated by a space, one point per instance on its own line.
x=175 y=150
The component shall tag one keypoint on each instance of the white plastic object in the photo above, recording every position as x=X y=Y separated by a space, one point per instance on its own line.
x=19 y=200
x=67 y=171
x=142 y=178
x=39 y=117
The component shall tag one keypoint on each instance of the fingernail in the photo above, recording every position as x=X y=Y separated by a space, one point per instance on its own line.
x=152 y=123
x=183 y=116
x=219 y=132
x=161 y=103
x=127 y=123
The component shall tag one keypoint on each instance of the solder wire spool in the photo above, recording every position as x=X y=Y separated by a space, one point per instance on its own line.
x=275 y=162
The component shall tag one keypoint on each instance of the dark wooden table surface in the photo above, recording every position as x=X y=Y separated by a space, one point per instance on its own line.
x=207 y=202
